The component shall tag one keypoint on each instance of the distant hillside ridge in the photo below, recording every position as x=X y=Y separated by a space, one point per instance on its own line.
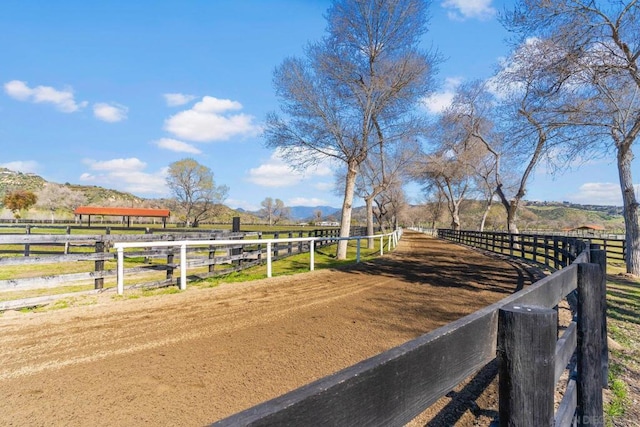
x=12 y=180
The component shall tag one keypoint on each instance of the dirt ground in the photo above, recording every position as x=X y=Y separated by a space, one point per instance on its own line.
x=203 y=354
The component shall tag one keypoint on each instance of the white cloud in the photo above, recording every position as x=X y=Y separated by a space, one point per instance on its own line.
x=176 y=99
x=599 y=193
x=177 y=146
x=63 y=100
x=438 y=102
x=241 y=204
x=277 y=173
x=131 y=164
x=127 y=175
x=211 y=120
x=111 y=113
x=324 y=186
x=460 y=10
x=274 y=174
x=305 y=201
x=24 y=166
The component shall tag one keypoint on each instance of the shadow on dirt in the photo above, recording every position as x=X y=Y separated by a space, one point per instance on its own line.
x=623 y=299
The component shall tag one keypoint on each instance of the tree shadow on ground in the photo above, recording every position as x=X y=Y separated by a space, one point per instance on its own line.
x=623 y=299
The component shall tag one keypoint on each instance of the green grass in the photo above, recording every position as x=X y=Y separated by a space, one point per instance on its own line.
x=324 y=258
x=61 y=304
x=619 y=401
x=623 y=326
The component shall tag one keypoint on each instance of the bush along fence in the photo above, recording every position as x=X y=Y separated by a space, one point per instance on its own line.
x=149 y=261
x=520 y=331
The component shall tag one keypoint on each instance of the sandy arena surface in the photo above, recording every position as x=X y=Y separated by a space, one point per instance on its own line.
x=192 y=358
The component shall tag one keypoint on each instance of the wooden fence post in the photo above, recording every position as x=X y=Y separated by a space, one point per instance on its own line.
x=599 y=256
x=590 y=313
x=212 y=255
x=99 y=265
x=526 y=356
x=27 y=247
x=276 y=235
x=66 y=244
x=170 y=258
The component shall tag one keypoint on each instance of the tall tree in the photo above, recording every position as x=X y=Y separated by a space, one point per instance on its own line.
x=193 y=186
x=359 y=83
x=598 y=56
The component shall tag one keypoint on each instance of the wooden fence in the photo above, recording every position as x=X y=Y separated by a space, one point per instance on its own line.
x=292 y=245
x=521 y=331
x=92 y=257
x=536 y=247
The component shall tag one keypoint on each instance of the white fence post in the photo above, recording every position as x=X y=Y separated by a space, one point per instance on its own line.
x=268 y=259
x=120 y=271
x=120 y=246
x=183 y=266
x=312 y=251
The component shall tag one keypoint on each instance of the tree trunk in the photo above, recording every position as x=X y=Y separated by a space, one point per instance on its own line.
x=512 y=217
x=347 y=205
x=369 y=206
x=630 y=204
x=455 y=217
x=484 y=216
x=511 y=208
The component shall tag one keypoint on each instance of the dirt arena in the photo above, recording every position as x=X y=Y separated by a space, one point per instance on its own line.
x=195 y=357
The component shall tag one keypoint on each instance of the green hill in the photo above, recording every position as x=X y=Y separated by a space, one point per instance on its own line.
x=92 y=195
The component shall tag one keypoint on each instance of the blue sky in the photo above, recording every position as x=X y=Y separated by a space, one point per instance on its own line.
x=110 y=93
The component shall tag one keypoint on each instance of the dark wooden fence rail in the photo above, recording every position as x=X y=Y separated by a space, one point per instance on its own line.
x=551 y=250
x=392 y=388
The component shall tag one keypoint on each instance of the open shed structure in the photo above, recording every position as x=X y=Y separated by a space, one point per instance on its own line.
x=125 y=213
x=587 y=229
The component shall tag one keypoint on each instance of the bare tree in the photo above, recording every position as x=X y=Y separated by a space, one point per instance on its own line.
x=317 y=215
x=194 y=188
x=391 y=206
x=452 y=177
x=598 y=55
x=274 y=210
x=268 y=209
x=453 y=165
x=361 y=81
x=53 y=196
x=381 y=171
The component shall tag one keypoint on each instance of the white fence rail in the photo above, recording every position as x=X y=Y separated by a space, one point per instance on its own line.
x=392 y=242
